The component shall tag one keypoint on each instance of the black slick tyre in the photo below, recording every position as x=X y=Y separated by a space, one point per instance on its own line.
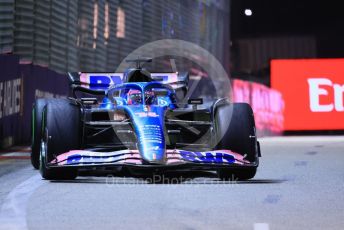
x=61 y=133
x=235 y=130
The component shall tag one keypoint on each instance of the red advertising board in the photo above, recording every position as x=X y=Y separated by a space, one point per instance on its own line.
x=313 y=91
x=267 y=104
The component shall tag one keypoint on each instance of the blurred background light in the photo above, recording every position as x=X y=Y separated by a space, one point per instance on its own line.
x=248 y=12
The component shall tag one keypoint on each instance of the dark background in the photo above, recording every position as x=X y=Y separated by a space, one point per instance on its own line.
x=320 y=20
x=323 y=19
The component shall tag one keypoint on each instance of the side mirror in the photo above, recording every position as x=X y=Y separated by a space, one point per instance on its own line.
x=196 y=101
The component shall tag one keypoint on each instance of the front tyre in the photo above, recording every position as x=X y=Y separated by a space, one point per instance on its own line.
x=61 y=133
x=36 y=129
x=235 y=130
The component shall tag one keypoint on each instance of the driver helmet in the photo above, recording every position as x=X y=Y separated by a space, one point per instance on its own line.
x=134 y=97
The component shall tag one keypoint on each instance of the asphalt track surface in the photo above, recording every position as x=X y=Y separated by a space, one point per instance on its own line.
x=299 y=185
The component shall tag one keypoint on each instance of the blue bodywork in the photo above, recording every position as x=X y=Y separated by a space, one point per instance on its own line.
x=138 y=125
x=147 y=114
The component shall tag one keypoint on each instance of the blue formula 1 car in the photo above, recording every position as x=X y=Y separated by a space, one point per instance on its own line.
x=140 y=121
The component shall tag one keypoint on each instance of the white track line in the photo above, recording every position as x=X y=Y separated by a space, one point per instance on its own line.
x=261 y=226
x=296 y=139
x=16 y=154
x=13 y=210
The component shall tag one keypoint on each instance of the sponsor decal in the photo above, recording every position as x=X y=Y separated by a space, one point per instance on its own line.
x=153 y=148
x=162 y=102
x=100 y=80
x=10 y=97
x=318 y=88
x=88 y=157
x=105 y=80
x=146 y=114
x=207 y=157
x=133 y=156
x=74 y=159
x=313 y=90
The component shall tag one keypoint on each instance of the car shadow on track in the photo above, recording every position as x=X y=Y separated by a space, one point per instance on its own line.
x=184 y=178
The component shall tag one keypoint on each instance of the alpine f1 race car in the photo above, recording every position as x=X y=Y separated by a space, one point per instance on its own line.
x=140 y=121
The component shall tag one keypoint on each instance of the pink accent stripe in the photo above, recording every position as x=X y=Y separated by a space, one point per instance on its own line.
x=173 y=156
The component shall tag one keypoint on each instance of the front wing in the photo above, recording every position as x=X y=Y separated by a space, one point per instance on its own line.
x=175 y=158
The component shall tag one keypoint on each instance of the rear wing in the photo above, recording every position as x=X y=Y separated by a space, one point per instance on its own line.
x=98 y=83
x=175 y=80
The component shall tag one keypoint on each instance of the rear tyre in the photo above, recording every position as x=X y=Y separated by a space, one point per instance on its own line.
x=61 y=133
x=235 y=130
x=36 y=129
